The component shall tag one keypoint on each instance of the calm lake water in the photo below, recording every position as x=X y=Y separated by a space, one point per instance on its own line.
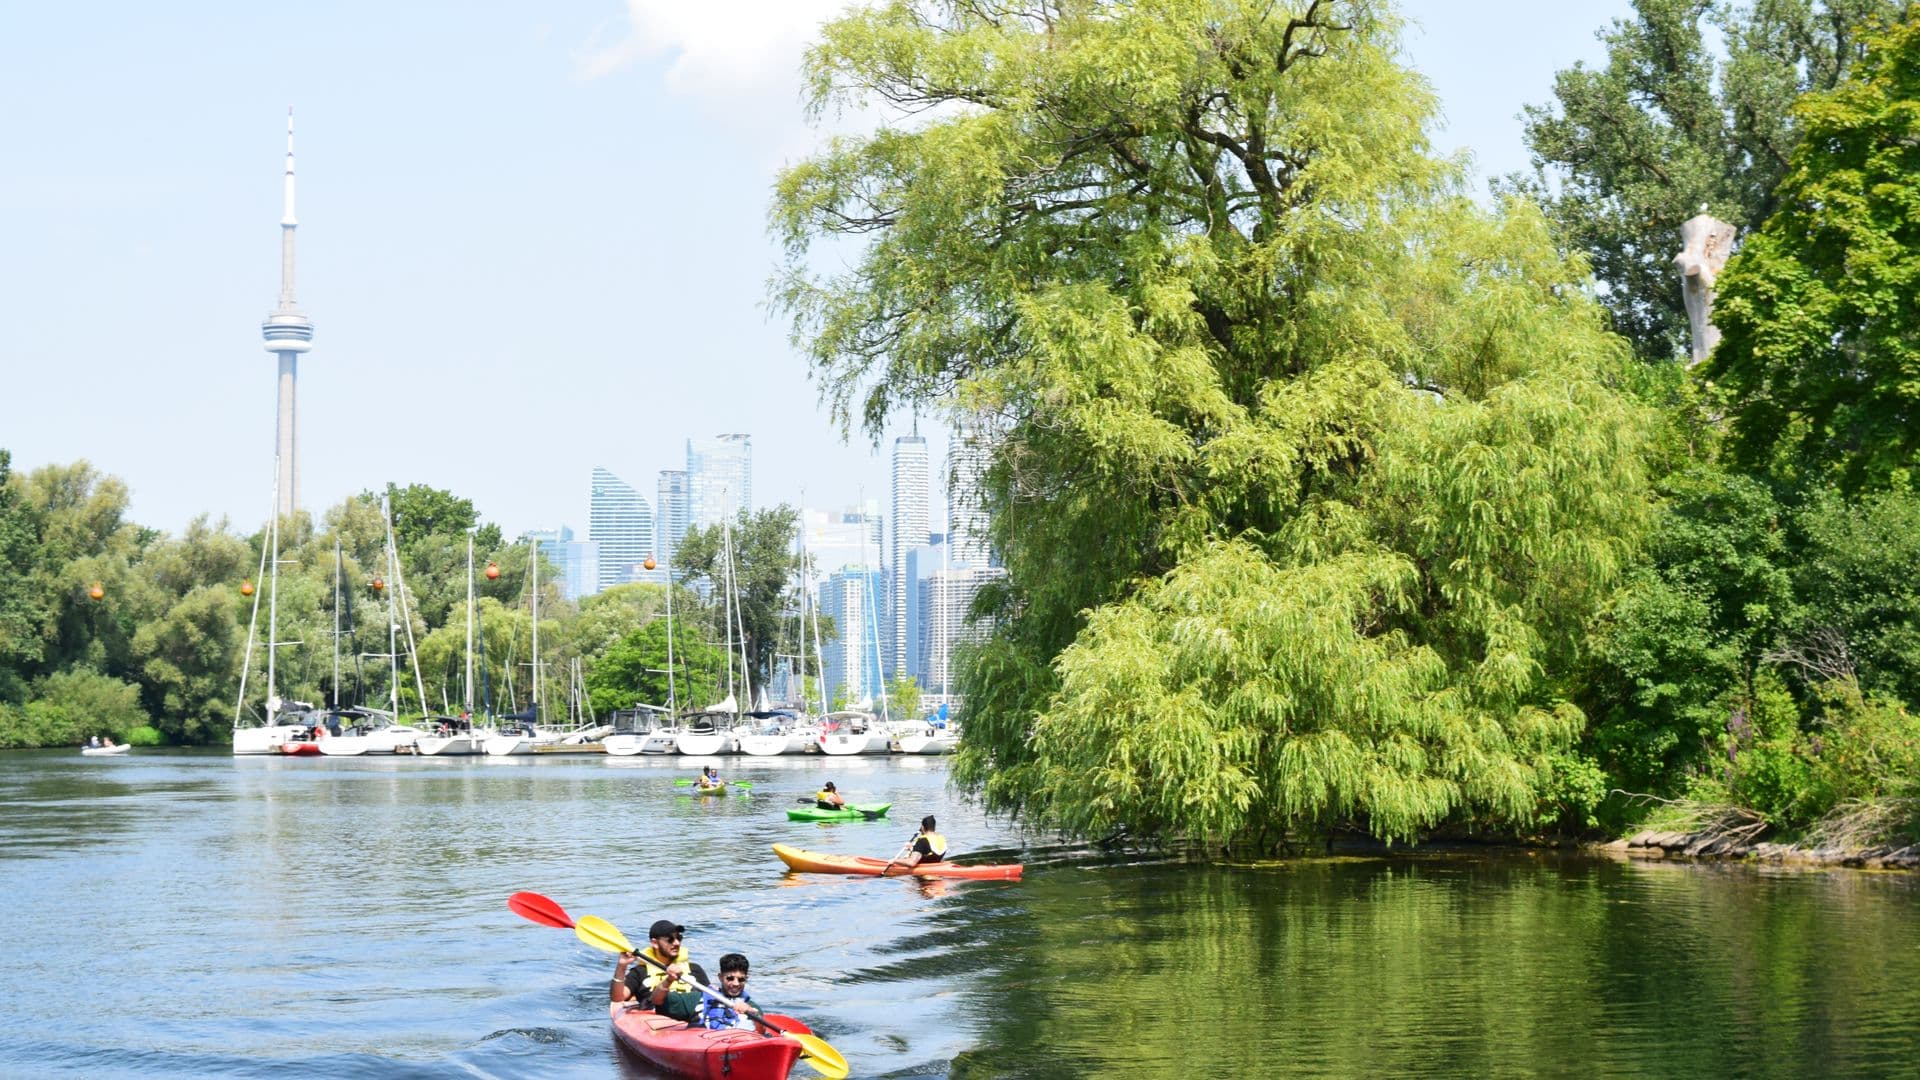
x=177 y=914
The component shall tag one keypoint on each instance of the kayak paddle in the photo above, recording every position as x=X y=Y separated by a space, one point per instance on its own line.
x=688 y=781
x=603 y=935
x=531 y=905
x=904 y=848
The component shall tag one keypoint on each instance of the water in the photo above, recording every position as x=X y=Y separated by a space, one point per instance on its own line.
x=178 y=914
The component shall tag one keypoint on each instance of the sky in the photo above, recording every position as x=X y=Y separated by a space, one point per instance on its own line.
x=532 y=239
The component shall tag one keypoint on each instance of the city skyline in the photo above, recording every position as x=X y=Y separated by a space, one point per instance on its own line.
x=505 y=237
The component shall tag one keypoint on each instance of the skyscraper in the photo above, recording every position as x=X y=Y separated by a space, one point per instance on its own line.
x=672 y=512
x=576 y=561
x=966 y=510
x=719 y=479
x=850 y=598
x=946 y=595
x=288 y=333
x=621 y=522
x=909 y=532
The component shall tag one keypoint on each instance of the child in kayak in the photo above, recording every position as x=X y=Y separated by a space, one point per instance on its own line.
x=733 y=1008
x=828 y=798
x=663 y=991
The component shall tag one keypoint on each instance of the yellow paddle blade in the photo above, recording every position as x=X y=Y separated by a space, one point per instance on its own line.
x=601 y=934
x=821 y=1055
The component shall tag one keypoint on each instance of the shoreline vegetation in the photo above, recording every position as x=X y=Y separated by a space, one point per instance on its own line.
x=1332 y=499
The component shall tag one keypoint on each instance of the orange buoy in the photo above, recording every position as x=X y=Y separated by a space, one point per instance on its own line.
x=649 y=563
x=493 y=571
x=377 y=584
x=246 y=587
x=97 y=593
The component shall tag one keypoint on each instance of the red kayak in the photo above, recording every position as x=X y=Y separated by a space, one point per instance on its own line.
x=726 y=1054
x=817 y=863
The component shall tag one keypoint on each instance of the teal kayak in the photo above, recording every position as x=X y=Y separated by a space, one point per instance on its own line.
x=868 y=812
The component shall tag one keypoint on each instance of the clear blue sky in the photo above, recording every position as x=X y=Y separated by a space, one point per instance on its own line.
x=532 y=238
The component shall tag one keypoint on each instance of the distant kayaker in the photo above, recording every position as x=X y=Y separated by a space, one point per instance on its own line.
x=927 y=846
x=828 y=798
x=709 y=779
x=734 y=1008
x=634 y=979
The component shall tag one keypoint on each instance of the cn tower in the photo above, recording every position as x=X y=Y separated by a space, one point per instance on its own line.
x=289 y=333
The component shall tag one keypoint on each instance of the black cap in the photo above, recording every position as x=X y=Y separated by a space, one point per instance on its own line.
x=665 y=928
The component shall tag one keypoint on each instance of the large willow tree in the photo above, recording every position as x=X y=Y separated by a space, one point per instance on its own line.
x=1307 y=470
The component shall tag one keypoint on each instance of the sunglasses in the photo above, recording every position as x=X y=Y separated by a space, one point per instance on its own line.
x=670 y=937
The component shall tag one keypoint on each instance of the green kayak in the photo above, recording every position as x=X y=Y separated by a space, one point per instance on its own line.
x=869 y=812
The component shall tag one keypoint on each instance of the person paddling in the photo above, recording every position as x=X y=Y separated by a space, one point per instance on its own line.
x=828 y=798
x=709 y=779
x=659 y=985
x=927 y=845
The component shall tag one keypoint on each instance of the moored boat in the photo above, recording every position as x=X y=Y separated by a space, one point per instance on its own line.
x=729 y=1053
x=866 y=812
x=814 y=862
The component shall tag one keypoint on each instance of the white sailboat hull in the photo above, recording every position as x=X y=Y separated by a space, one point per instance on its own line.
x=926 y=743
x=846 y=743
x=703 y=745
x=508 y=745
x=266 y=740
x=460 y=745
x=772 y=745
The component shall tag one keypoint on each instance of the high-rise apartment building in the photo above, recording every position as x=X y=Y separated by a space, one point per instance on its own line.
x=672 y=513
x=966 y=510
x=946 y=596
x=850 y=597
x=719 y=479
x=577 y=562
x=909 y=532
x=621 y=522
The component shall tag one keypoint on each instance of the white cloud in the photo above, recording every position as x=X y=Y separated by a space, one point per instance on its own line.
x=721 y=48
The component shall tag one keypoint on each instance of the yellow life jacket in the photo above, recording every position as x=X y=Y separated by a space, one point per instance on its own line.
x=824 y=799
x=654 y=975
x=937 y=843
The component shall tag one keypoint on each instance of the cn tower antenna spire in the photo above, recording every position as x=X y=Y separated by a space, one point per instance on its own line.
x=288 y=333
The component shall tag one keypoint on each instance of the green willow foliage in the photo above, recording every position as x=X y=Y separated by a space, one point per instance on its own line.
x=1307 y=471
x=1821 y=337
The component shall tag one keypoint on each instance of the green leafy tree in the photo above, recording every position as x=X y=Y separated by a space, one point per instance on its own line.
x=903 y=697
x=1692 y=108
x=20 y=641
x=633 y=670
x=764 y=565
x=1308 y=472
x=1820 y=346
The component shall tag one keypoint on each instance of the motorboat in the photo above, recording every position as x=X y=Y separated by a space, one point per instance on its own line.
x=105 y=751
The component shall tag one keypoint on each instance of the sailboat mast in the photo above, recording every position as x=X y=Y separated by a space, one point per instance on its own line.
x=336 y=621
x=667 y=559
x=726 y=553
x=393 y=628
x=533 y=558
x=273 y=613
x=467 y=685
x=253 y=624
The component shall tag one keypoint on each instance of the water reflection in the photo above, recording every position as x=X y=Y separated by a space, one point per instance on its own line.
x=345 y=917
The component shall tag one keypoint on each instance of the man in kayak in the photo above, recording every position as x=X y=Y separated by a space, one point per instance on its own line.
x=636 y=980
x=928 y=845
x=734 y=1008
x=828 y=798
x=709 y=779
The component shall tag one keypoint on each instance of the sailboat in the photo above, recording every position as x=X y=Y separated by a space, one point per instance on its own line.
x=387 y=735
x=530 y=735
x=710 y=732
x=463 y=737
x=285 y=723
